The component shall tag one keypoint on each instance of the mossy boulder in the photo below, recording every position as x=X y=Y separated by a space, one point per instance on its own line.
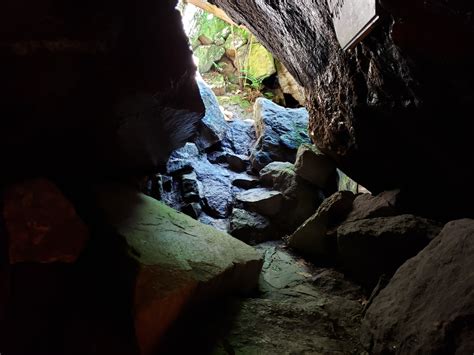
x=208 y=56
x=234 y=41
x=175 y=260
x=255 y=61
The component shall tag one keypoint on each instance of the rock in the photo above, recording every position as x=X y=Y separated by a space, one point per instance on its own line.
x=207 y=56
x=427 y=308
x=256 y=60
x=217 y=157
x=314 y=166
x=204 y=40
x=190 y=188
x=233 y=42
x=217 y=195
x=228 y=70
x=369 y=248
x=180 y=160
x=249 y=226
x=245 y=181
x=270 y=171
x=345 y=183
x=221 y=224
x=213 y=126
x=261 y=200
x=368 y=206
x=280 y=132
x=42 y=224
x=177 y=261
x=238 y=163
x=216 y=82
x=312 y=238
x=289 y=85
x=193 y=210
x=300 y=199
x=240 y=137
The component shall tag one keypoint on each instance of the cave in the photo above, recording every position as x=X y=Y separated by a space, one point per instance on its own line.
x=317 y=207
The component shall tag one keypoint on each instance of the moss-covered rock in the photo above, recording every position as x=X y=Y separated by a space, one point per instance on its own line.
x=255 y=61
x=208 y=56
x=177 y=260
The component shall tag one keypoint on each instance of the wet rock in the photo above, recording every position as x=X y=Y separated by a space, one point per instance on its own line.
x=178 y=261
x=427 y=308
x=249 y=226
x=272 y=170
x=368 y=206
x=42 y=224
x=369 y=248
x=181 y=159
x=314 y=166
x=280 y=132
x=208 y=55
x=245 y=181
x=312 y=238
x=264 y=201
x=213 y=126
x=238 y=163
x=240 y=137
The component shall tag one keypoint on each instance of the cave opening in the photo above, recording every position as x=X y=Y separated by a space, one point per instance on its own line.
x=299 y=186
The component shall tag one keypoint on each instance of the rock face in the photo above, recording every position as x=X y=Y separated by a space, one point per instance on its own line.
x=179 y=260
x=369 y=248
x=280 y=132
x=82 y=82
x=368 y=206
x=42 y=225
x=387 y=100
x=427 y=308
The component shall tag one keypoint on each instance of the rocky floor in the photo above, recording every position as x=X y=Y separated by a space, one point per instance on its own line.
x=298 y=309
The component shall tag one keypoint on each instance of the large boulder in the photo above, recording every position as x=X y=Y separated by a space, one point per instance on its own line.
x=178 y=261
x=370 y=248
x=256 y=62
x=208 y=55
x=213 y=126
x=428 y=308
x=280 y=132
x=314 y=166
x=42 y=224
x=234 y=41
x=313 y=237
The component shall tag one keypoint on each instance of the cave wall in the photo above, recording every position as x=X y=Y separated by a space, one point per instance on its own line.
x=74 y=71
x=395 y=112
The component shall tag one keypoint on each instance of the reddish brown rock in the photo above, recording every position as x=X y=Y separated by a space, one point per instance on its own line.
x=42 y=225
